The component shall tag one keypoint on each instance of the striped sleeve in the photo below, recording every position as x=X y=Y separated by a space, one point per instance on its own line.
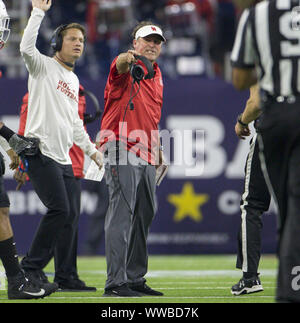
x=243 y=52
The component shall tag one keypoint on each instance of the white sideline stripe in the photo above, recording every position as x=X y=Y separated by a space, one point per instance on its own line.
x=199 y=284
x=160 y=297
x=245 y=203
x=207 y=288
x=192 y=273
x=100 y=288
x=215 y=282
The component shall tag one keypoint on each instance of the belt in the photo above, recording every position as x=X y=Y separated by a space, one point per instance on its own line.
x=290 y=99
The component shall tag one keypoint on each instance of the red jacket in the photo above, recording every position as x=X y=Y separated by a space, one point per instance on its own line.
x=141 y=123
x=76 y=154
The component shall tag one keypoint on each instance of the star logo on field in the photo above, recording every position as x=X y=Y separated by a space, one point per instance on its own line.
x=188 y=203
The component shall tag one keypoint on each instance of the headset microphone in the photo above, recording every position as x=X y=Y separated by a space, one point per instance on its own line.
x=138 y=74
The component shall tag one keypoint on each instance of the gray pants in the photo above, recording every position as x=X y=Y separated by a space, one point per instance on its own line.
x=131 y=186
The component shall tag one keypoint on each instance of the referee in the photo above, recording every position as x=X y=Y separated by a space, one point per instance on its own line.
x=268 y=39
x=255 y=201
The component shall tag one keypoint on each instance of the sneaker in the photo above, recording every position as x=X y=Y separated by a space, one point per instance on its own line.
x=247 y=286
x=74 y=285
x=20 y=287
x=39 y=278
x=120 y=291
x=145 y=289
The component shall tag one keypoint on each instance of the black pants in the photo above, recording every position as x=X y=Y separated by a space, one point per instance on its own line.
x=254 y=202
x=4 y=200
x=95 y=228
x=279 y=140
x=56 y=235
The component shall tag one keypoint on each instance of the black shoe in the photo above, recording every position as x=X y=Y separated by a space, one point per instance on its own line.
x=74 y=285
x=247 y=286
x=146 y=290
x=39 y=278
x=20 y=287
x=120 y=291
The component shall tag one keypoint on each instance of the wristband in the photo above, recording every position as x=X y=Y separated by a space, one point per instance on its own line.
x=239 y=120
x=21 y=166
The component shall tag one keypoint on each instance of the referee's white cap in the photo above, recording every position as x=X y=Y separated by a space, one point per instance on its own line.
x=149 y=30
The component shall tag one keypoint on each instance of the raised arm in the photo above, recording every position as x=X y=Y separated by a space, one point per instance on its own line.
x=32 y=57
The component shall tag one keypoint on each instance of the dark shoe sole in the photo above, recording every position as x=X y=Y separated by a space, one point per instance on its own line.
x=25 y=297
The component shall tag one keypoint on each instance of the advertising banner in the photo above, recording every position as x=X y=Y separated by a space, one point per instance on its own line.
x=198 y=202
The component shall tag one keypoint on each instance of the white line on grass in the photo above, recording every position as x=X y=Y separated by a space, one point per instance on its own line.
x=191 y=288
x=159 y=297
x=211 y=282
x=154 y=297
x=190 y=273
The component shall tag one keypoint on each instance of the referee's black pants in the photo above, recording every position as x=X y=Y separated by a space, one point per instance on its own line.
x=279 y=140
x=56 y=235
x=254 y=202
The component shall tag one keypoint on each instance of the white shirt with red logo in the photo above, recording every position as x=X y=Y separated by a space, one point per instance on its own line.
x=53 y=100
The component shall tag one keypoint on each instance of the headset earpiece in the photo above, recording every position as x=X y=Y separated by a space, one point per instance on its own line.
x=57 y=39
x=137 y=71
x=148 y=65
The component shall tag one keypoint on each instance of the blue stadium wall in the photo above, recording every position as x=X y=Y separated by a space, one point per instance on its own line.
x=198 y=203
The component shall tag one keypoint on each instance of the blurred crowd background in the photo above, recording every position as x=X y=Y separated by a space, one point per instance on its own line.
x=200 y=34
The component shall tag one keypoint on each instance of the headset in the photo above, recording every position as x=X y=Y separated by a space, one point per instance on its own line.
x=137 y=71
x=57 y=39
x=138 y=74
x=56 y=42
x=87 y=117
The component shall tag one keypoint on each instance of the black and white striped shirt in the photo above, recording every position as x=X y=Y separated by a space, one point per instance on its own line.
x=268 y=38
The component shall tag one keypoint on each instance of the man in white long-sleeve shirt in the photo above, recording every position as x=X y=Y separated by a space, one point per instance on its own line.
x=53 y=119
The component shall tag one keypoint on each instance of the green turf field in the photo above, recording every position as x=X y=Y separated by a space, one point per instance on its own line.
x=182 y=279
